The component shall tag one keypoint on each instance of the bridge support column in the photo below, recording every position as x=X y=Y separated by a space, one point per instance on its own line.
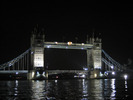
x=89 y=62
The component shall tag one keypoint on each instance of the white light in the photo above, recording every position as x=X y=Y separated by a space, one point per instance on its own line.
x=95 y=75
x=113 y=73
x=125 y=76
x=82 y=44
x=106 y=73
x=16 y=72
x=48 y=46
x=10 y=64
x=85 y=68
x=33 y=73
x=83 y=75
x=112 y=67
x=43 y=74
x=82 y=48
x=38 y=74
x=55 y=81
x=101 y=74
x=56 y=42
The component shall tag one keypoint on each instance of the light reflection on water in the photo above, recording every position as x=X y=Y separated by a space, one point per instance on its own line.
x=95 y=89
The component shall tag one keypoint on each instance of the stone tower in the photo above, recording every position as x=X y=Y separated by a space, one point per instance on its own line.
x=94 y=56
x=37 y=68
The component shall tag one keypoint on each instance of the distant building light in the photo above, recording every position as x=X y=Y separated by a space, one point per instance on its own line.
x=69 y=43
x=16 y=72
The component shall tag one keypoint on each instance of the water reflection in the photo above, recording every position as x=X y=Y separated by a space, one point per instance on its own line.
x=38 y=89
x=113 y=89
x=96 y=89
x=16 y=88
x=85 y=91
x=68 y=89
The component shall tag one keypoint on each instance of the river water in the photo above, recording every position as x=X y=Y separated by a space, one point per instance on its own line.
x=75 y=89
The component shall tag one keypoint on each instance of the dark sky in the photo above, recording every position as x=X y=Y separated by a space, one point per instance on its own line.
x=68 y=20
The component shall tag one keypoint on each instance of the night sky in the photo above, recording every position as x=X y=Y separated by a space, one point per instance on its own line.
x=63 y=21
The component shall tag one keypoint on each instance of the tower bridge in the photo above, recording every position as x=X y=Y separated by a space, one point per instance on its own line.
x=93 y=49
x=32 y=60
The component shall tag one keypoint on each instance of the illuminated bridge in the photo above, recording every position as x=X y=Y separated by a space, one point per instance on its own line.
x=31 y=62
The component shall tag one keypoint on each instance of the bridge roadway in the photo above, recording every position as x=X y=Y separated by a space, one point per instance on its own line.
x=68 y=45
x=49 y=71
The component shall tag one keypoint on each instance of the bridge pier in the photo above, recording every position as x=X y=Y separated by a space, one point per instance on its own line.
x=37 y=74
x=37 y=69
x=94 y=56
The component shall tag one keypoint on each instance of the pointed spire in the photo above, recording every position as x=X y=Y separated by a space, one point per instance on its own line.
x=35 y=30
x=93 y=33
x=87 y=41
x=93 y=36
x=43 y=34
x=100 y=40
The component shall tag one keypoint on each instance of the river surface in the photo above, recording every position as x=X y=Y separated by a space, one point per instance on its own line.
x=75 y=89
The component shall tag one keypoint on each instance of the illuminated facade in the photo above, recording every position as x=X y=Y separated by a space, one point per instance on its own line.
x=37 y=49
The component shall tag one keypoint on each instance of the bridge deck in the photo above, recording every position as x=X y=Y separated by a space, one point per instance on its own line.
x=13 y=71
x=49 y=71
x=62 y=45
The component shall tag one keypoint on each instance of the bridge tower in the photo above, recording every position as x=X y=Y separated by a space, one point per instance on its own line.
x=37 y=56
x=94 y=56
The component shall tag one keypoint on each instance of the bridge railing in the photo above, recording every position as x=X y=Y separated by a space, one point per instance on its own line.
x=22 y=58
x=110 y=62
